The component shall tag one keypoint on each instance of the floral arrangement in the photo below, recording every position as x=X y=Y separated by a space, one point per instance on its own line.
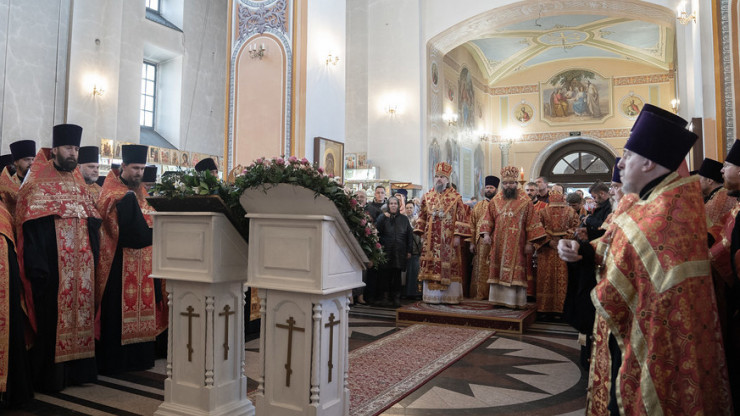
x=265 y=173
x=182 y=184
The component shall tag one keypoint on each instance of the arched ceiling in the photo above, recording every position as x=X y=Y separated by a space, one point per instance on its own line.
x=518 y=46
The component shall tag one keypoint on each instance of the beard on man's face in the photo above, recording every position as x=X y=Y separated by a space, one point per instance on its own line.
x=490 y=194
x=68 y=164
x=439 y=187
x=509 y=193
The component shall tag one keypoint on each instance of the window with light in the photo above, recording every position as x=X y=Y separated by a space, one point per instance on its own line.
x=153 y=5
x=148 y=94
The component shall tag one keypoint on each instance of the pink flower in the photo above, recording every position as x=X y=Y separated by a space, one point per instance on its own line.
x=292 y=159
x=304 y=161
x=368 y=231
x=331 y=175
x=280 y=161
x=377 y=245
x=259 y=161
x=363 y=222
x=321 y=170
x=352 y=202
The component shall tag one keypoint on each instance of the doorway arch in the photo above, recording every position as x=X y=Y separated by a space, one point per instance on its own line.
x=576 y=161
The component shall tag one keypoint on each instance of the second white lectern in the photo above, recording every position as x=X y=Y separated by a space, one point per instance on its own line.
x=305 y=261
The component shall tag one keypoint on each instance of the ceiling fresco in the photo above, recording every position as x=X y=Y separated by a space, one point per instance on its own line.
x=519 y=46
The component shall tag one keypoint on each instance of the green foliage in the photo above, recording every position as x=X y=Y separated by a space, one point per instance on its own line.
x=264 y=173
x=183 y=184
x=566 y=77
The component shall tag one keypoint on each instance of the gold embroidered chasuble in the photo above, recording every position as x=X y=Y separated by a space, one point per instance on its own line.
x=481 y=259
x=512 y=223
x=64 y=196
x=441 y=218
x=656 y=269
x=559 y=221
x=138 y=314
x=6 y=229
x=719 y=205
x=95 y=190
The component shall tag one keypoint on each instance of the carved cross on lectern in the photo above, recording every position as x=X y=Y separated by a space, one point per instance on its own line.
x=227 y=311
x=290 y=327
x=190 y=316
x=332 y=323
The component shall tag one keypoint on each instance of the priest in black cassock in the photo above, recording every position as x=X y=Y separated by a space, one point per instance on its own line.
x=58 y=245
x=125 y=294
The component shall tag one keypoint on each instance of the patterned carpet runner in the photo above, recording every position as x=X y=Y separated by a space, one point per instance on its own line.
x=385 y=371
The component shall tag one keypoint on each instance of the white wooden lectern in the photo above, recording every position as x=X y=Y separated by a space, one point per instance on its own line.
x=204 y=260
x=305 y=263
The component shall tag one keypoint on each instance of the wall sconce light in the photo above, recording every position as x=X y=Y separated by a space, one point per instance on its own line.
x=391 y=109
x=97 y=92
x=256 y=52
x=450 y=118
x=332 y=59
x=683 y=17
x=674 y=105
x=482 y=135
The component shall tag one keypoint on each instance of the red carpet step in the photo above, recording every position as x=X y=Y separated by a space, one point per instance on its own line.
x=469 y=313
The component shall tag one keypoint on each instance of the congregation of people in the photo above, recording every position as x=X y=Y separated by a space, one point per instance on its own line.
x=76 y=296
x=645 y=268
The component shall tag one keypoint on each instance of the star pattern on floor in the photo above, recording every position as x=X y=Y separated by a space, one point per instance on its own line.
x=502 y=373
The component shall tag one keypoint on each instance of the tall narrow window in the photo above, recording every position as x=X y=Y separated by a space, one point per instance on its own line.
x=148 y=94
x=152 y=4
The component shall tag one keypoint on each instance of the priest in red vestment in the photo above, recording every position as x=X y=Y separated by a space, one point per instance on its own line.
x=657 y=341
x=23 y=153
x=16 y=387
x=512 y=228
x=442 y=223
x=125 y=304
x=89 y=165
x=58 y=240
x=481 y=250
x=560 y=221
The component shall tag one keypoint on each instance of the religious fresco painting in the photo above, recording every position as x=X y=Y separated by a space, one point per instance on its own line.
x=435 y=156
x=631 y=105
x=350 y=161
x=523 y=113
x=466 y=100
x=576 y=96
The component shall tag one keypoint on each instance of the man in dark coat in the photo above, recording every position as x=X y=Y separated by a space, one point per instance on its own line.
x=600 y=193
x=395 y=234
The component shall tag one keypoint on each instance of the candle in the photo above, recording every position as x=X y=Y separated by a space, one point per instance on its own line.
x=521 y=173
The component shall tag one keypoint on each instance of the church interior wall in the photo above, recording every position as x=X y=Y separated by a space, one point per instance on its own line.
x=33 y=48
x=394 y=65
x=356 y=105
x=52 y=66
x=496 y=110
x=325 y=82
x=259 y=102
